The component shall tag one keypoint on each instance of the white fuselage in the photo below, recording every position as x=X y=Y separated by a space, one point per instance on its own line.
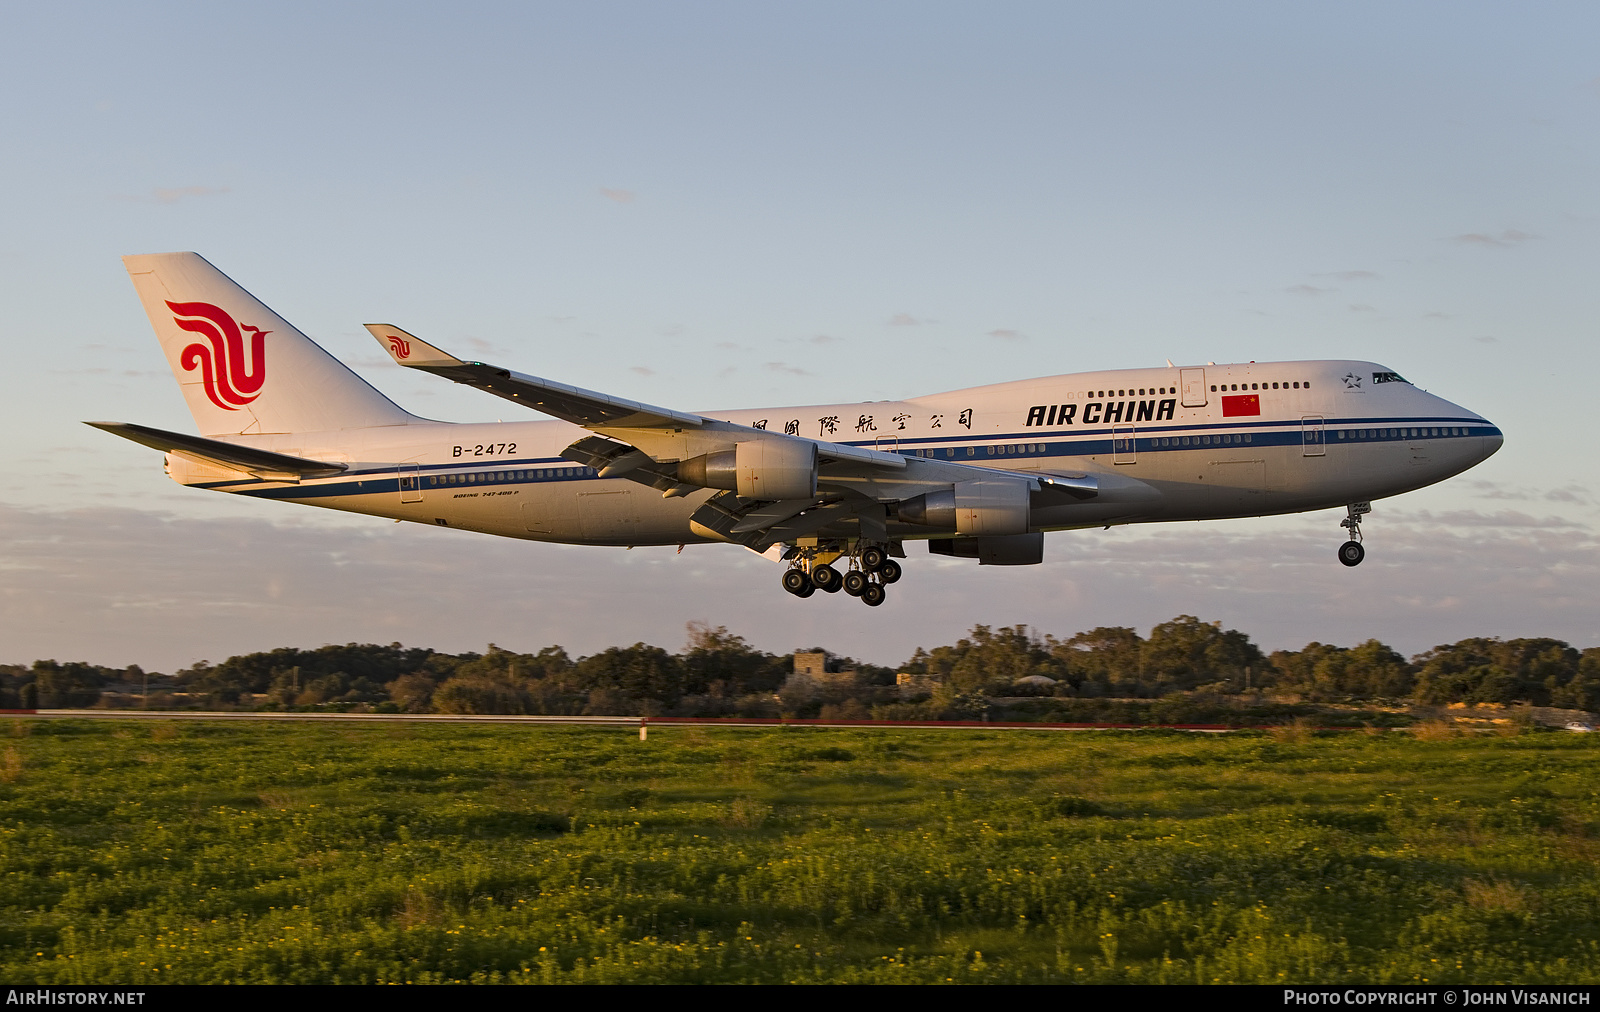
x=1219 y=441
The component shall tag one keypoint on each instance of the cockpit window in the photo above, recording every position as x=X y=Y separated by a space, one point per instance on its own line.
x=1388 y=377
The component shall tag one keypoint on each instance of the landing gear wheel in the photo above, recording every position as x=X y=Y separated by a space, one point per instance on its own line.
x=796 y=582
x=1351 y=553
x=890 y=571
x=872 y=559
x=873 y=594
x=855 y=583
x=827 y=579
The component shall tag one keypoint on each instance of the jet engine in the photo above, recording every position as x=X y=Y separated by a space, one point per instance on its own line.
x=986 y=506
x=758 y=469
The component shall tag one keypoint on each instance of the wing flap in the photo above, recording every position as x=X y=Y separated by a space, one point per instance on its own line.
x=615 y=459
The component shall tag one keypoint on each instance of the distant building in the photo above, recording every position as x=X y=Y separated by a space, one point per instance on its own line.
x=811 y=673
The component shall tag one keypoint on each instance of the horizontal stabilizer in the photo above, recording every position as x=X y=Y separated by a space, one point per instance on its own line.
x=261 y=463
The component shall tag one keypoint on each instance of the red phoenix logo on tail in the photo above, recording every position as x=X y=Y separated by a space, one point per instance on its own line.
x=402 y=348
x=232 y=380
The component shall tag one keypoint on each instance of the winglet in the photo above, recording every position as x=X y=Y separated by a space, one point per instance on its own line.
x=408 y=350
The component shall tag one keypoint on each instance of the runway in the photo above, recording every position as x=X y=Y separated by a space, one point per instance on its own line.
x=639 y=722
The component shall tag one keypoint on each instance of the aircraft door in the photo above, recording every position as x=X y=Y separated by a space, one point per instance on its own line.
x=410 y=483
x=1313 y=441
x=1194 y=387
x=1124 y=445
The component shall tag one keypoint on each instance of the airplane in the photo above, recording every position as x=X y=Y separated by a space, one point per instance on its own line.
x=979 y=474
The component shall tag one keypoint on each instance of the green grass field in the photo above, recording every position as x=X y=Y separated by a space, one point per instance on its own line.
x=199 y=852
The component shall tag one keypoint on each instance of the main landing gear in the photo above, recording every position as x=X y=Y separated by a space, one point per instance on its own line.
x=870 y=570
x=1351 y=553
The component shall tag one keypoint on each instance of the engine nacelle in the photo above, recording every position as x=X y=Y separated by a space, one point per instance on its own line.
x=777 y=469
x=758 y=469
x=985 y=507
x=1016 y=550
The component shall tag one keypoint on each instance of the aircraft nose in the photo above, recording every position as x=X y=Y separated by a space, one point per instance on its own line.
x=1492 y=443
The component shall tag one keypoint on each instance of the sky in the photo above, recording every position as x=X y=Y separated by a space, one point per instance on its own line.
x=720 y=205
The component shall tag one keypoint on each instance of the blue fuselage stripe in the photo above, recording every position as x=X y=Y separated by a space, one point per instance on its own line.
x=958 y=448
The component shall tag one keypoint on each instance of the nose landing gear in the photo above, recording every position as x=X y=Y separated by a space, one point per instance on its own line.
x=1351 y=552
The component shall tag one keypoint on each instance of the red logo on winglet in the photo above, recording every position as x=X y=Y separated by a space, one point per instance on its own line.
x=402 y=348
x=1244 y=404
x=232 y=380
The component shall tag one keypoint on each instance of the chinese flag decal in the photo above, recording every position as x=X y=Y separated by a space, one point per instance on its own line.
x=1242 y=404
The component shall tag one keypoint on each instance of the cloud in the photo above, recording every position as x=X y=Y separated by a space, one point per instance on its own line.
x=116 y=585
x=1350 y=275
x=1570 y=493
x=1361 y=307
x=1008 y=335
x=1308 y=290
x=1486 y=339
x=1436 y=316
x=173 y=194
x=783 y=367
x=904 y=320
x=1501 y=518
x=822 y=339
x=1495 y=490
x=166 y=195
x=620 y=196
x=1510 y=237
x=640 y=370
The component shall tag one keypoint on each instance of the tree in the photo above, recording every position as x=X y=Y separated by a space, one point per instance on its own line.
x=987 y=657
x=718 y=663
x=1186 y=652
x=1323 y=671
x=1491 y=670
x=639 y=672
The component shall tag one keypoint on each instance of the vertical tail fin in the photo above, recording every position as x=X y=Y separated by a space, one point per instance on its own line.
x=242 y=368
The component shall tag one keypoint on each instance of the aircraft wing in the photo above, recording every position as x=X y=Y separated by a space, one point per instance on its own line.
x=569 y=403
x=589 y=408
x=261 y=463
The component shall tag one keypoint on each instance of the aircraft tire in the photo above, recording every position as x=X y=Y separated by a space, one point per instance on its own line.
x=1351 y=553
x=890 y=571
x=827 y=579
x=872 y=559
x=855 y=582
x=796 y=582
x=873 y=595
